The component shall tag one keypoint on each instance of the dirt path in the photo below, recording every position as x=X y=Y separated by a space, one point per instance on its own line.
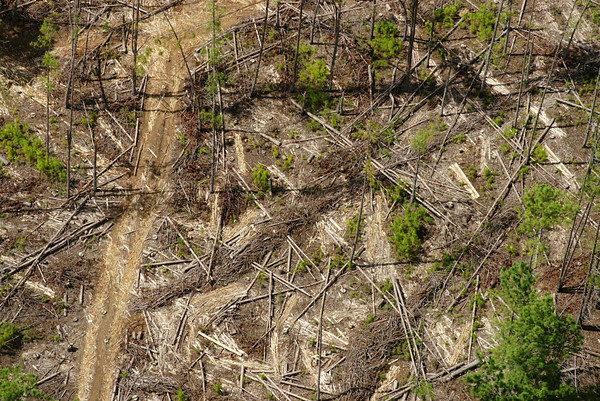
x=123 y=250
x=167 y=73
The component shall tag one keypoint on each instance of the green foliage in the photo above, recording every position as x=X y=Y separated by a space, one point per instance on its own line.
x=313 y=78
x=526 y=364
x=545 y=207
x=539 y=154
x=424 y=390
x=287 y=162
x=218 y=389
x=386 y=43
x=10 y=336
x=17 y=140
x=91 y=118
x=18 y=386
x=50 y=62
x=214 y=120
x=517 y=285
x=181 y=396
x=446 y=15
x=408 y=232
x=47 y=32
x=354 y=225
x=397 y=194
x=422 y=139
x=482 y=21
x=261 y=176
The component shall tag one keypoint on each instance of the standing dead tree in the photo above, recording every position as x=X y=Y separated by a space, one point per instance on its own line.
x=73 y=19
x=262 y=47
x=338 y=16
x=297 y=51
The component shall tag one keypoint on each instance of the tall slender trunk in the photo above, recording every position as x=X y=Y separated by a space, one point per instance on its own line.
x=314 y=21
x=414 y=189
x=589 y=124
x=296 y=54
x=491 y=49
x=575 y=29
x=411 y=41
x=48 y=114
x=74 y=38
x=262 y=47
x=373 y=14
x=95 y=164
x=134 y=38
x=338 y=16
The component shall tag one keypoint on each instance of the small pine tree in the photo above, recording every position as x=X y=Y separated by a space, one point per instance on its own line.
x=408 y=232
x=533 y=343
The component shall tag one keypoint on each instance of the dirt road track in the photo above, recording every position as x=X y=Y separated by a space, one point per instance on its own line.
x=106 y=317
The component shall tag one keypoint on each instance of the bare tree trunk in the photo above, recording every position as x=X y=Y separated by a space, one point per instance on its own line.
x=373 y=14
x=48 y=114
x=589 y=124
x=295 y=75
x=214 y=130
x=414 y=189
x=262 y=47
x=95 y=163
x=411 y=42
x=338 y=16
x=314 y=22
x=507 y=26
x=134 y=37
x=99 y=75
x=74 y=37
x=575 y=29
x=491 y=49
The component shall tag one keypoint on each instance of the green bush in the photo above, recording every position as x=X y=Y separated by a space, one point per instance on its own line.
x=533 y=342
x=539 y=154
x=313 y=78
x=408 y=232
x=353 y=225
x=446 y=15
x=545 y=208
x=386 y=43
x=17 y=386
x=10 y=336
x=261 y=176
x=17 y=141
x=482 y=21
x=218 y=389
x=181 y=395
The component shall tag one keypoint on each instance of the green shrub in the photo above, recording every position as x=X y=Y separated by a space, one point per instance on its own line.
x=482 y=21
x=17 y=386
x=446 y=15
x=539 y=154
x=10 y=336
x=181 y=395
x=545 y=208
x=386 y=43
x=408 y=232
x=218 y=389
x=353 y=225
x=313 y=78
x=261 y=176
x=533 y=342
x=17 y=141
x=212 y=119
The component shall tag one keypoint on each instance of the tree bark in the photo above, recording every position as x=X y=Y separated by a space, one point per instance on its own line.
x=262 y=47
x=295 y=76
x=413 y=22
x=338 y=16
